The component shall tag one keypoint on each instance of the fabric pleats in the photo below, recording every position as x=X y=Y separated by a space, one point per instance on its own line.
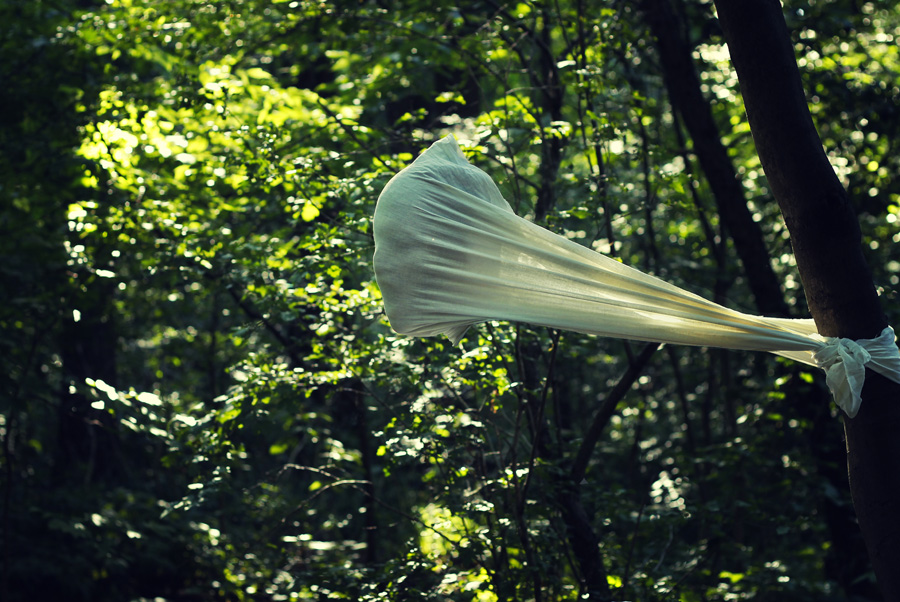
x=450 y=253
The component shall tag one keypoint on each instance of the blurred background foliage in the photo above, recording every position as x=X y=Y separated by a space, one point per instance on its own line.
x=202 y=398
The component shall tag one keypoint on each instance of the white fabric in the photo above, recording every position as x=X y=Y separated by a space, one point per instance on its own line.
x=450 y=252
x=845 y=361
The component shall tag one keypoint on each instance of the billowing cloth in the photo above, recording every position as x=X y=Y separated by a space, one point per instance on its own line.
x=450 y=252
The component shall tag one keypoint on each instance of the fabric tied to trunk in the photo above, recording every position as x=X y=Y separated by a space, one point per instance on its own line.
x=845 y=361
x=450 y=253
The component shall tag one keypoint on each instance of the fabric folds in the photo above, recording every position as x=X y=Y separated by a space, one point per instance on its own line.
x=450 y=252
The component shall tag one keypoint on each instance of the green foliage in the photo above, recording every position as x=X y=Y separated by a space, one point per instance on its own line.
x=202 y=398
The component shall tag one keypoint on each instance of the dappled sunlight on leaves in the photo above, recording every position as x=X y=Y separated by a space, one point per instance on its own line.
x=204 y=398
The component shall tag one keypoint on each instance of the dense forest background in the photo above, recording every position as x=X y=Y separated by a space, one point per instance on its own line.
x=202 y=399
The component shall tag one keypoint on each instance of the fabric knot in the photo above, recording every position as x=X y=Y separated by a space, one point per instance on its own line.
x=844 y=362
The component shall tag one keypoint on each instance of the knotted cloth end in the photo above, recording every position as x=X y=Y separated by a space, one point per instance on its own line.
x=845 y=360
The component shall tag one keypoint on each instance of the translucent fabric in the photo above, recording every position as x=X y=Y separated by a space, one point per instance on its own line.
x=450 y=252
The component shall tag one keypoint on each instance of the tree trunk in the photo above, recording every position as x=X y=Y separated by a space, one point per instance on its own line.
x=826 y=239
x=87 y=446
x=688 y=101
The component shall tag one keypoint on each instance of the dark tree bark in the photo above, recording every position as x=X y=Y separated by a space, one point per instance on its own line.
x=371 y=553
x=687 y=99
x=546 y=80
x=847 y=560
x=826 y=239
x=87 y=447
x=583 y=537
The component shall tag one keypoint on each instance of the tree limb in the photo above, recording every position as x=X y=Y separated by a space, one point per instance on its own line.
x=684 y=89
x=607 y=409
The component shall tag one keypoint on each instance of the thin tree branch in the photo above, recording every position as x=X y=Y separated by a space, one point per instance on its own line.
x=254 y=314
x=607 y=409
